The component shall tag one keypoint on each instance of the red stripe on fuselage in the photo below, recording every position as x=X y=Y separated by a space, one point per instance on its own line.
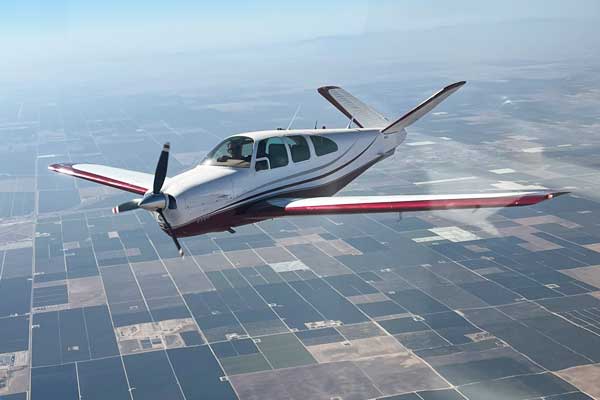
x=68 y=169
x=417 y=205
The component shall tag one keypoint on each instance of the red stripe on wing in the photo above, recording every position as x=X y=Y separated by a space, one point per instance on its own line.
x=420 y=205
x=68 y=169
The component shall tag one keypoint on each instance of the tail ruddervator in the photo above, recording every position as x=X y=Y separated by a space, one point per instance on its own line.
x=360 y=113
x=366 y=117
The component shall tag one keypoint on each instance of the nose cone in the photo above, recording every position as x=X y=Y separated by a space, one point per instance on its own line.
x=199 y=191
x=153 y=201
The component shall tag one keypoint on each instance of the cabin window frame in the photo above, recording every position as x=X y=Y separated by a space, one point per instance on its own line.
x=316 y=146
x=289 y=143
x=263 y=158
x=210 y=160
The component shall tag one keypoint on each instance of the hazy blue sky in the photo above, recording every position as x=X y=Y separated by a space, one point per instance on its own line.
x=117 y=25
x=37 y=33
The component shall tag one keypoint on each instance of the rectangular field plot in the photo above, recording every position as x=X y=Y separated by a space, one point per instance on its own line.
x=400 y=373
x=124 y=297
x=320 y=381
x=73 y=336
x=81 y=263
x=14 y=332
x=356 y=349
x=46 y=339
x=315 y=337
x=103 y=379
x=151 y=376
x=519 y=387
x=166 y=308
x=154 y=280
x=17 y=263
x=56 y=382
x=188 y=361
x=16 y=296
x=328 y=302
x=381 y=308
x=240 y=356
x=188 y=277
x=284 y=351
x=292 y=308
x=101 y=336
x=50 y=295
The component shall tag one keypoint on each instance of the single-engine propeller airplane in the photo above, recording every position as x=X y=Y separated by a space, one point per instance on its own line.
x=254 y=176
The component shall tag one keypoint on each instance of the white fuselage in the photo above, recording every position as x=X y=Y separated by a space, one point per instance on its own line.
x=207 y=189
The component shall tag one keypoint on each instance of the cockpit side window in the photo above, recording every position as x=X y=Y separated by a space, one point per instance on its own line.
x=272 y=149
x=323 y=145
x=235 y=151
x=298 y=148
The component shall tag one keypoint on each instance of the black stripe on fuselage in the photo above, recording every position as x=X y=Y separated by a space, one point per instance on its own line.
x=301 y=182
x=250 y=214
x=359 y=171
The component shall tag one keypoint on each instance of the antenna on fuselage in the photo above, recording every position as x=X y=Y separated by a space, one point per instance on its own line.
x=350 y=122
x=294 y=117
x=316 y=122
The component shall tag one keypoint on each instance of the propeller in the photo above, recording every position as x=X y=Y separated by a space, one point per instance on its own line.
x=155 y=200
x=161 y=169
x=127 y=206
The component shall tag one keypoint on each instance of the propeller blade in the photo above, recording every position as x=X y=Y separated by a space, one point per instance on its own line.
x=127 y=206
x=161 y=169
x=170 y=231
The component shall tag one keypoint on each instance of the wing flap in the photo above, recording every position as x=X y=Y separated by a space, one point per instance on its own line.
x=130 y=181
x=407 y=203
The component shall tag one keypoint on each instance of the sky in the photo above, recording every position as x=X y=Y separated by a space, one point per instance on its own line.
x=55 y=32
x=113 y=25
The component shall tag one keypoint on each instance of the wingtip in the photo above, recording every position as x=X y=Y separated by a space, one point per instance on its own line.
x=61 y=167
x=54 y=167
x=327 y=88
x=552 y=195
x=181 y=253
x=455 y=85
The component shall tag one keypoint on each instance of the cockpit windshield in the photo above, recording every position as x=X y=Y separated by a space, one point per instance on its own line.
x=235 y=152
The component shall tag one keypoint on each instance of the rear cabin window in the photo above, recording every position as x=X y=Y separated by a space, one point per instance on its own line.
x=271 y=153
x=298 y=148
x=323 y=145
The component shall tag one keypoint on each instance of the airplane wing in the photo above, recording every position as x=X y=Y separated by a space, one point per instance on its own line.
x=130 y=181
x=404 y=203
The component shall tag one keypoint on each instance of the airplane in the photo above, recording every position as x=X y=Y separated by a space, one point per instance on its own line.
x=255 y=176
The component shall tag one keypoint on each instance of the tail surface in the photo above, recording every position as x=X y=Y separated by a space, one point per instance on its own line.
x=360 y=113
x=366 y=117
x=416 y=113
